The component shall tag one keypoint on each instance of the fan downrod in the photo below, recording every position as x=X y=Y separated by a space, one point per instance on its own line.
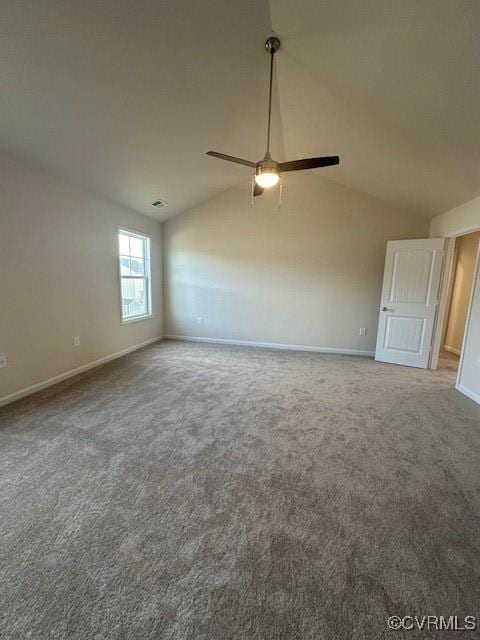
x=272 y=44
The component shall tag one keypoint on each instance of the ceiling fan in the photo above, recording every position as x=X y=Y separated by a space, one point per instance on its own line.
x=268 y=170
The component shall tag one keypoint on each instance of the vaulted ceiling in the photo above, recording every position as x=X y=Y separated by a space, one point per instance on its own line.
x=124 y=97
x=393 y=86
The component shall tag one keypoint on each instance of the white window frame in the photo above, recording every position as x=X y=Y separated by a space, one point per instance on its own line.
x=148 y=277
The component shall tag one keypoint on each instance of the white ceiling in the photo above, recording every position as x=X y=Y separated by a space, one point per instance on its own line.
x=125 y=96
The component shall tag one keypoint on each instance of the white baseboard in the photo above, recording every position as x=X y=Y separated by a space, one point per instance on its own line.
x=73 y=372
x=274 y=345
x=447 y=347
x=466 y=392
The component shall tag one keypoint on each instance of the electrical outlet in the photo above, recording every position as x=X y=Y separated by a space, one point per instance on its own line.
x=76 y=341
x=3 y=361
x=199 y=320
x=362 y=331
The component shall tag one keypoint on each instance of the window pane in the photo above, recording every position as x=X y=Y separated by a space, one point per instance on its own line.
x=125 y=266
x=134 y=297
x=124 y=244
x=136 y=247
x=137 y=267
x=134 y=257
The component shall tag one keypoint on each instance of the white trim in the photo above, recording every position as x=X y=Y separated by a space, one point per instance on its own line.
x=463 y=231
x=274 y=345
x=147 y=277
x=447 y=347
x=146 y=316
x=73 y=372
x=473 y=396
x=446 y=285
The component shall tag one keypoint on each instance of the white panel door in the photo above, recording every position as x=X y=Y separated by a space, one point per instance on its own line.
x=411 y=283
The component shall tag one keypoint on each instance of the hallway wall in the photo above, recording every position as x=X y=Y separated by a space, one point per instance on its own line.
x=462 y=287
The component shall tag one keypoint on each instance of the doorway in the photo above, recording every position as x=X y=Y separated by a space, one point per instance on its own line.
x=464 y=251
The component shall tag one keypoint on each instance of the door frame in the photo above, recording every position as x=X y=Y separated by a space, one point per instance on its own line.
x=445 y=289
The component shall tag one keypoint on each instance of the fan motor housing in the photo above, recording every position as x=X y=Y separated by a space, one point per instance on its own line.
x=267 y=166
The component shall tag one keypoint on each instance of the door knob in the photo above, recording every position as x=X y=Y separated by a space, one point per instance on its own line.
x=385 y=309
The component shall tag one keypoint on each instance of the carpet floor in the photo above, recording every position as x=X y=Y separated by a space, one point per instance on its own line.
x=203 y=492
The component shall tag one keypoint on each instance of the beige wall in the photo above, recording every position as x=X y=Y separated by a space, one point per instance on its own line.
x=466 y=256
x=462 y=219
x=59 y=278
x=308 y=274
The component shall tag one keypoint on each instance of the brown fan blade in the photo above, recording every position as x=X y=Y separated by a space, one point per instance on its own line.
x=258 y=190
x=222 y=156
x=308 y=163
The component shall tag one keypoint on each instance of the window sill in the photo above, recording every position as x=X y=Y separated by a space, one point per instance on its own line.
x=147 y=316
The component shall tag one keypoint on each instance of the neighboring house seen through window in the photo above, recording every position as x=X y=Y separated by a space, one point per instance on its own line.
x=135 y=289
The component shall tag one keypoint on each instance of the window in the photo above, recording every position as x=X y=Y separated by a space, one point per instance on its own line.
x=134 y=267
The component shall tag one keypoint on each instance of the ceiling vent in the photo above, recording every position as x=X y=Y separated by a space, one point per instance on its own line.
x=159 y=204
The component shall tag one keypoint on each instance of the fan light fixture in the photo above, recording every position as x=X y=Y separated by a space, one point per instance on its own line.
x=268 y=170
x=268 y=178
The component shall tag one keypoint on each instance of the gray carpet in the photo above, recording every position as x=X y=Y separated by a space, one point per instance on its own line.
x=213 y=493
